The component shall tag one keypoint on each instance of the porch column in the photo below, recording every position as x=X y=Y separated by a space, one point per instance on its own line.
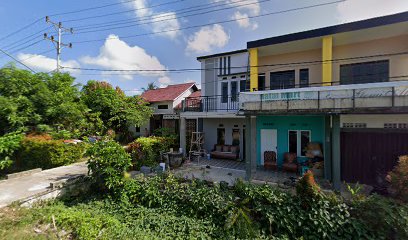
x=253 y=69
x=183 y=135
x=336 y=158
x=250 y=151
x=327 y=149
x=327 y=57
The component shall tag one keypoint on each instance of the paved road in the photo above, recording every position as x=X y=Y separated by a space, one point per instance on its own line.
x=23 y=187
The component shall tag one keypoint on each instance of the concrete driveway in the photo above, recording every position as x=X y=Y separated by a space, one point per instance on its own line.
x=27 y=186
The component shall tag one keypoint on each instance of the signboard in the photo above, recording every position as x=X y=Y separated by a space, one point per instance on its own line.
x=171 y=116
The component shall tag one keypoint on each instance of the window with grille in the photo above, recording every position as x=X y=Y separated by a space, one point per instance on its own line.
x=366 y=72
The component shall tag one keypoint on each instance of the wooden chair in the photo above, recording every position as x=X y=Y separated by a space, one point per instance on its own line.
x=270 y=160
x=290 y=163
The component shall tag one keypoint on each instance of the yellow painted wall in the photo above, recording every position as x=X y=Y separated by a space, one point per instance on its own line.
x=253 y=71
x=327 y=57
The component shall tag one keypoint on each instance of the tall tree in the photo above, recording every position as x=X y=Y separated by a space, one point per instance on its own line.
x=117 y=110
x=150 y=86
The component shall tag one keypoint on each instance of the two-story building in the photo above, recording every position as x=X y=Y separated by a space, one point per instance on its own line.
x=344 y=87
x=215 y=111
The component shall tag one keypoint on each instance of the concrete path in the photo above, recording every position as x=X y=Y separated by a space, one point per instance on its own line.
x=26 y=186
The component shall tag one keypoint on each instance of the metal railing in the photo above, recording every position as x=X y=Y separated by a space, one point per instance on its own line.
x=340 y=98
x=214 y=103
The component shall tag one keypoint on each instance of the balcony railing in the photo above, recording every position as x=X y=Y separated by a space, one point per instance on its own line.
x=212 y=104
x=341 y=98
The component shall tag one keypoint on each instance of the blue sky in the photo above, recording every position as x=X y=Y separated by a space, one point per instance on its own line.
x=170 y=50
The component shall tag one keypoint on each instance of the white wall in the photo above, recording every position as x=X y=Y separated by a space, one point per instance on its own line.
x=373 y=120
x=210 y=126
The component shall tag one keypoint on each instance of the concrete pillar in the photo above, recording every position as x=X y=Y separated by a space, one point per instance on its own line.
x=183 y=135
x=253 y=69
x=327 y=57
x=251 y=154
x=327 y=148
x=336 y=157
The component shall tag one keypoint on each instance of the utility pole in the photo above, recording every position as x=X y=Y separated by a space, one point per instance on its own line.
x=58 y=43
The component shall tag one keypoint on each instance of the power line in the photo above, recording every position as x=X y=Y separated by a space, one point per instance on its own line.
x=240 y=67
x=209 y=24
x=148 y=17
x=121 y=12
x=31 y=36
x=11 y=56
x=172 y=17
x=20 y=29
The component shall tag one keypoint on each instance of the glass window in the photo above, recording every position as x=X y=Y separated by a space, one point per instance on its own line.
x=242 y=86
x=236 y=137
x=298 y=141
x=261 y=82
x=225 y=65
x=224 y=92
x=229 y=65
x=282 y=79
x=221 y=136
x=367 y=72
x=234 y=91
x=220 y=67
x=304 y=141
x=293 y=142
x=163 y=107
x=304 y=78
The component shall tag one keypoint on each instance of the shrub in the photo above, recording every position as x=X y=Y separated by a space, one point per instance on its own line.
x=146 y=150
x=399 y=179
x=8 y=144
x=39 y=151
x=108 y=163
x=384 y=218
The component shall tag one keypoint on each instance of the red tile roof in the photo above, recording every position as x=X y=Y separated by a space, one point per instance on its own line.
x=169 y=93
x=195 y=94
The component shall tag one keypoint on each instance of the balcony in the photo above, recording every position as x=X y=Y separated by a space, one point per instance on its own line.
x=381 y=97
x=216 y=103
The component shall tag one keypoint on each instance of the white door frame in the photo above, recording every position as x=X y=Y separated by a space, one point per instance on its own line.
x=269 y=142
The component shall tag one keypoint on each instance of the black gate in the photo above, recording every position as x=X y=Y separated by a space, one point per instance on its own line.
x=368 y=154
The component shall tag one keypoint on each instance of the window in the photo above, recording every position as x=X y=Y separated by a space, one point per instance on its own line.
x=163 y=107
x=224 y=92
x=354 y=125
x=282 y=80
x=220 y=67
x=367 y=72
x=396 y=125
x=221 y=136
x=234 y=91
x=304 y=78
x=261 y=82
x=242 y=86
x=298 y=141
x=229 y=65
x=225 y=65
x=236 y=137
x=138 y=129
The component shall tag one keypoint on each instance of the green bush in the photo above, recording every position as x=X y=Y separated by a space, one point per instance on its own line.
x=108 y=163
x=42 y=152
x=384 y=218
x=145 y=151
x=9 y=143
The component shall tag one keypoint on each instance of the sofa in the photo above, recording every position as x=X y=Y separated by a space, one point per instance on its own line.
x=225 y=152
x=270 y=160
x=290 y=163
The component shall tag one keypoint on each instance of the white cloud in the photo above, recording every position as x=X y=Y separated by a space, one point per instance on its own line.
x=354 y=10
x=160 y=21
x=170 y=24
x=207 y=38
x=246 y=9
x=117 y=54
x=141 y=8
x=244 y=21
x=253 y=7
x=164 y=80
x=45 y=64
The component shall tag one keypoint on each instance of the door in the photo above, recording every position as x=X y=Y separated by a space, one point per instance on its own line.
x=269 y=142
